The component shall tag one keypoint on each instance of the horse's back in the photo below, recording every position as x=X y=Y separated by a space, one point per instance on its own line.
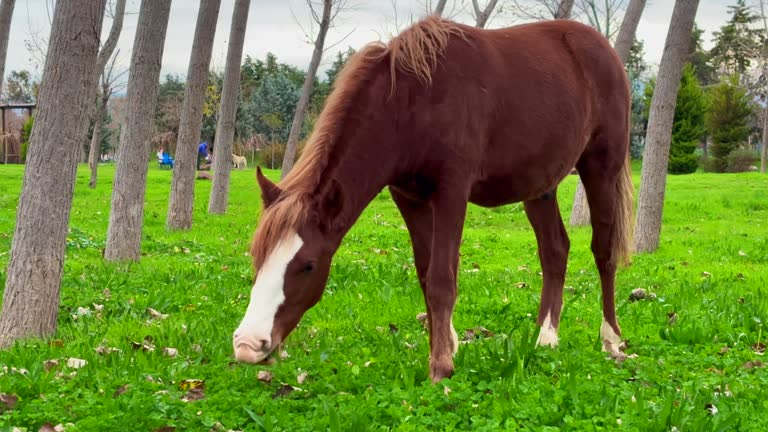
x=532 y=96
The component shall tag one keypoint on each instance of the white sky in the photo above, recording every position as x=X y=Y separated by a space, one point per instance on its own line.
x=272 y=26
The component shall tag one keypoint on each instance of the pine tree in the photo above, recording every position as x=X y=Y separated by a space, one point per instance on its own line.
x=737 y=43
x=728 y=119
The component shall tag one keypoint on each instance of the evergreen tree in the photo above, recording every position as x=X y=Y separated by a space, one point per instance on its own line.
x=728 y=119
x=737 y=43
x=689 y=124
x=700 y=58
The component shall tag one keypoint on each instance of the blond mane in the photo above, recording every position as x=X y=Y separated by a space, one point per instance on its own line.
x=415 y=51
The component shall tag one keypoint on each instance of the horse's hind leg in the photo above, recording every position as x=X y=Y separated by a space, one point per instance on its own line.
x=604 y=170
x=552 y=239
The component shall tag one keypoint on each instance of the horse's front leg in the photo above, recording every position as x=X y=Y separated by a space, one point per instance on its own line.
x=449 y=211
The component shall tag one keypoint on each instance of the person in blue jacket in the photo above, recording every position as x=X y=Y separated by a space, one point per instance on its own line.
x=202 y=153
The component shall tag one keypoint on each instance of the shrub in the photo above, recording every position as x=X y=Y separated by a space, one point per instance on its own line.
x=26 y=133
x=728 y=120
x=740 y=160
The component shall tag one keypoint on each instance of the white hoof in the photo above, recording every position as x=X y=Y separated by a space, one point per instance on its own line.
x=548 y=334
x=454 y=339
x=611 y=341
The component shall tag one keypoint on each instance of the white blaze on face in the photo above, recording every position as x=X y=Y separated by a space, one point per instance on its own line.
x=255 y=331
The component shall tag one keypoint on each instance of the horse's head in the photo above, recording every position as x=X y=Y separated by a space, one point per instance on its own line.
x=292 y=252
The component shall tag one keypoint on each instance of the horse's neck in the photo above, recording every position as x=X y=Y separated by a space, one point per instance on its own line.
x=361 y=174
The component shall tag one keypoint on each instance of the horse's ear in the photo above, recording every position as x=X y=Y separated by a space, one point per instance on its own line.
x=333 y=204
x=269 y=191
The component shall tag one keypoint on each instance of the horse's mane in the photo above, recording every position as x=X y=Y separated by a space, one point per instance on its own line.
x=415 y=51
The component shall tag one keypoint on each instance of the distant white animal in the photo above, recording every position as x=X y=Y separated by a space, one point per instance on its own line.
x=239 y=162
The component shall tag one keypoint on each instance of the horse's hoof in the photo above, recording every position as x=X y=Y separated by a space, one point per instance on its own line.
x=440 y=370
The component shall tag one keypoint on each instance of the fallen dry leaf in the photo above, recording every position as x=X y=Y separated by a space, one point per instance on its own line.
x=155 y=314
x=284 y=354
x=104 y=350
x=706 y=274
x=264 y=376
x=284 y=390
x=7 y=401
x=165 y=429
x=107 y=293
x=758 y=348
x=753 y=364
x=50 y=364
x=393 y=328
x=672 y=317
x=446 y=390
x=76 y=363
x=47 y=428
x=170 y=352
x=58 y=343
x=193 y=395
x=472 y=333
x=98 y=307
x=123 y=388
x=423 y=318
x=197 y=348
x=637 y=294
x=302 y=377
x=189 y=384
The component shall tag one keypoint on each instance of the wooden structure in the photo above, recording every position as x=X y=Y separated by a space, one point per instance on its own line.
x=12 y=153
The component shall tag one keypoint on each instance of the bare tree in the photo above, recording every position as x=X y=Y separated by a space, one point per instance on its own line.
x=659 y=134
x=482 y=15
x=764 y=73
x=126 y=215
x=564 y=9
x=225 y=130
x=440 y=7
x=602 y=15
x=330 y=11
x=31 y=296
x=580 y=211
x=183 y=185
x=109 y=85
x=6 y=15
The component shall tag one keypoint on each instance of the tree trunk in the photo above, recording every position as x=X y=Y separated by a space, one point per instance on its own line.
x=764 y=149
x=306 y=91
x=95 y=149
x=6 y=14
x=225 y=129
x=440 y=7
x=183 y=185
x=564 y=10
x=580 y=211
x=482 y=16
x=659 y=134
x=31 y=297
x=127 y=212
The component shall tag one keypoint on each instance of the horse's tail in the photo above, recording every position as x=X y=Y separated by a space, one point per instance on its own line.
x=624 y=221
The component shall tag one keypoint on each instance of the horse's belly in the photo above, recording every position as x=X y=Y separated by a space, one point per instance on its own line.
x=494 y=191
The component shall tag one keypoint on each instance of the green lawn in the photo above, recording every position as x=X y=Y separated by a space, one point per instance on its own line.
x=365 y=355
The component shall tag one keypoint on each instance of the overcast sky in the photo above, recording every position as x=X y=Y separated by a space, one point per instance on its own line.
x=272 y=26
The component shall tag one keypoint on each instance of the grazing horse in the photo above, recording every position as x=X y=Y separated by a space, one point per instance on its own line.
x=446 y=114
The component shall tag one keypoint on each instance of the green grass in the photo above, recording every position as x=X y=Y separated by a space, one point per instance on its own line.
x=361 y=375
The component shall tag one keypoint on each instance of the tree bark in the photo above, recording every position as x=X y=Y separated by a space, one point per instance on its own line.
x=659 y=134
x=580 y=211
x=6 y=15
x=183 y=185
x=306 y=91
x=127 y=211
x=482 y=15
x=440 y=7
x=31 y=296
x=764 y=149
x=225 y=129
x=95 y=148
x=565 y=9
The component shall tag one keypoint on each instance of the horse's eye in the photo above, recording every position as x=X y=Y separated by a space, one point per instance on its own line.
x=308 y=267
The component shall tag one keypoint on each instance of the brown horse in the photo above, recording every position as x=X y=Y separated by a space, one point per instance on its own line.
x=447 y=114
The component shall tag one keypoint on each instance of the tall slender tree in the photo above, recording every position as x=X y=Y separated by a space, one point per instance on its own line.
x=659 y=134
x=483 y=14
x=126 y=215
x=440 y=7
x=31 y=296
x=225 y=130
x=183 y=185
x=6 y=15
x=564 y=9
x=623 y=46
x=102 y=97
x=324 y=20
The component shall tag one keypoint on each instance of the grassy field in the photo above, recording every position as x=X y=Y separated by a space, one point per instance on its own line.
x=361 y=355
